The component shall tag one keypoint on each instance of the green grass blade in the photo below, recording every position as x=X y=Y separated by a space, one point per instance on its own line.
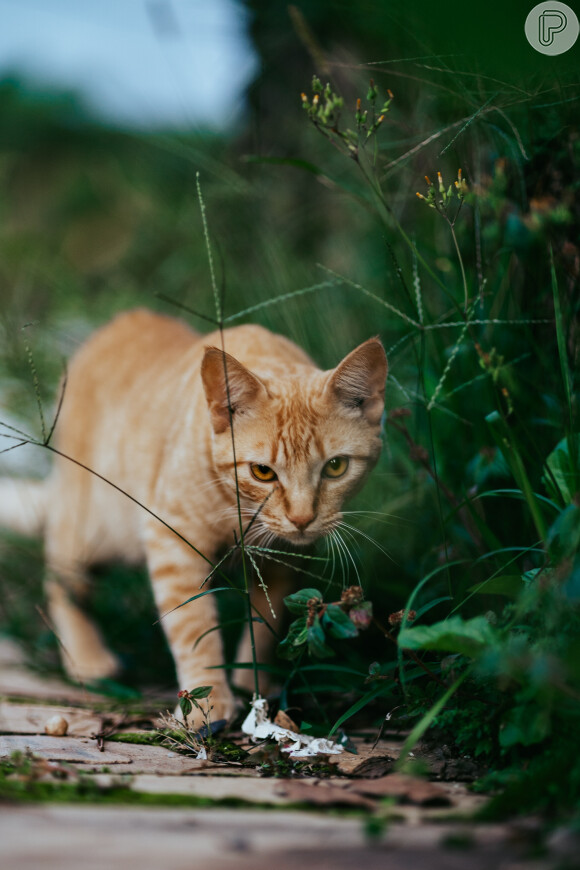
x=427 y=720
x=358 y=705
x=563 y=365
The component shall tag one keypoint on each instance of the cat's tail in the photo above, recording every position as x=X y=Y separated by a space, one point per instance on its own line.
x=23 y=505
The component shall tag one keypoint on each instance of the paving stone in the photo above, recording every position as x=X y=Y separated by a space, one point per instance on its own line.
x=66 y=837
x=119 y=837
x=18 y=681
x=84 y=751
x=217 y=784
x=32 y=718
x=126 y=757
x=211 y=786
x=69 y=837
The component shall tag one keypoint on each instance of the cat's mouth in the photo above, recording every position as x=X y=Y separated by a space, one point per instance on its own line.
x=267 y=528
x=303 y=537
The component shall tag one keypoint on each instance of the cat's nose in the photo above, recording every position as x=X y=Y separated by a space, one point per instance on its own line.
x=301 y=521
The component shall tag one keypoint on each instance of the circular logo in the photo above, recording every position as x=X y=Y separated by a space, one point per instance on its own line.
x=552 y=27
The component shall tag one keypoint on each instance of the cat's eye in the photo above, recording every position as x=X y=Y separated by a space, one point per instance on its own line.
x=263 y=472
x=335 y=467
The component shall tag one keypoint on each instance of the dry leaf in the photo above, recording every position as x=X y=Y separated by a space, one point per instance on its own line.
x=322 y=793
x=374 y=767
x=406 y=788
x=284 y=721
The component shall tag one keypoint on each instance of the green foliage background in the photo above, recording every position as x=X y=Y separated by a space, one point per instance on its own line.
x=474 y=515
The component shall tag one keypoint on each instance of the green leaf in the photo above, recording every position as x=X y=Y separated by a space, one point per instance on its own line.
x=564 y=535
x=200 y=692
x=316 y=645
x=421 y=611
x=338 y=623
x=526 y=724
x=455 y=635
x=211 y=591
x=298 y=602
x=509 y=585
x=297 y=635
x=487 y=464
x=340 y=669
x=562 y=483
x=185 y=706
x=571 y=587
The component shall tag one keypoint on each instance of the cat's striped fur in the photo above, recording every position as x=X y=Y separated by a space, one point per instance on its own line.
x=147 y=407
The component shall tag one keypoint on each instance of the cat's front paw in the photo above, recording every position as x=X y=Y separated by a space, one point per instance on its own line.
x=101 y=664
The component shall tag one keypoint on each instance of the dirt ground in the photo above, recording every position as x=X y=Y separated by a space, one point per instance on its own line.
x=84 y=799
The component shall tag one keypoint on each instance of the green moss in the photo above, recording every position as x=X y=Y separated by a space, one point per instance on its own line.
x=88 y=791
x=27 y=778
x=143 y=738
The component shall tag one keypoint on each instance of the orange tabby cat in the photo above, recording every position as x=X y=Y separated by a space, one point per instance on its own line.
x=148 y=407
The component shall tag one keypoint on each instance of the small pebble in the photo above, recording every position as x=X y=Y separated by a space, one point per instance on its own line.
x=56 y=726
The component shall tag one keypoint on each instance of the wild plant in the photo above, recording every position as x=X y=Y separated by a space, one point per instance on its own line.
x=507 y=633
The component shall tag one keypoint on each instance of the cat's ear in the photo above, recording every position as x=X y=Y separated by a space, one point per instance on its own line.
x=358 y=382
x=237 y=394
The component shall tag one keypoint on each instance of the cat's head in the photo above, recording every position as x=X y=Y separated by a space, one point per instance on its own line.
x=304 y=442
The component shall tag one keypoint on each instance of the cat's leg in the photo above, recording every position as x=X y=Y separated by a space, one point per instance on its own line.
x=279 y=582
x=70 y=549
x=177 y=573
x=84 y=654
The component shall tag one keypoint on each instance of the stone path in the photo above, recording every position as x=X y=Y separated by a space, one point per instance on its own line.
x=425 y=824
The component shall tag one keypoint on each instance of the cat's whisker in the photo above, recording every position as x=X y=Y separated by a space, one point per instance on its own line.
x=209 y=484
x=349 y=555
x=327 y=548
x=356 y=550
x=378 y=516
x=232 y=511
x=265 y=538
x=259 y=534
x=330 y=551
x=340 y=554
x=329 y=554
x=351 y=538
x=334 y=556
x=368 y=538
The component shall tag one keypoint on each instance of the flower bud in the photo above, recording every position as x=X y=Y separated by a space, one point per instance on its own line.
x=361 y=615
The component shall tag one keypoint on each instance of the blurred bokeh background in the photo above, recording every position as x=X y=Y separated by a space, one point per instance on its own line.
x=109 y=111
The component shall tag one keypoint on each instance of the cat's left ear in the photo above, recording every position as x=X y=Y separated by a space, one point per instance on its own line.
x=359 y=380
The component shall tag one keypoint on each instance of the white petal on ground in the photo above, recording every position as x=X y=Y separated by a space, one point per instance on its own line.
x=259 y=726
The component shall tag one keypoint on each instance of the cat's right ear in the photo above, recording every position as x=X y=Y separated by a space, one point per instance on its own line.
x=229 y=387
x=359 y=381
